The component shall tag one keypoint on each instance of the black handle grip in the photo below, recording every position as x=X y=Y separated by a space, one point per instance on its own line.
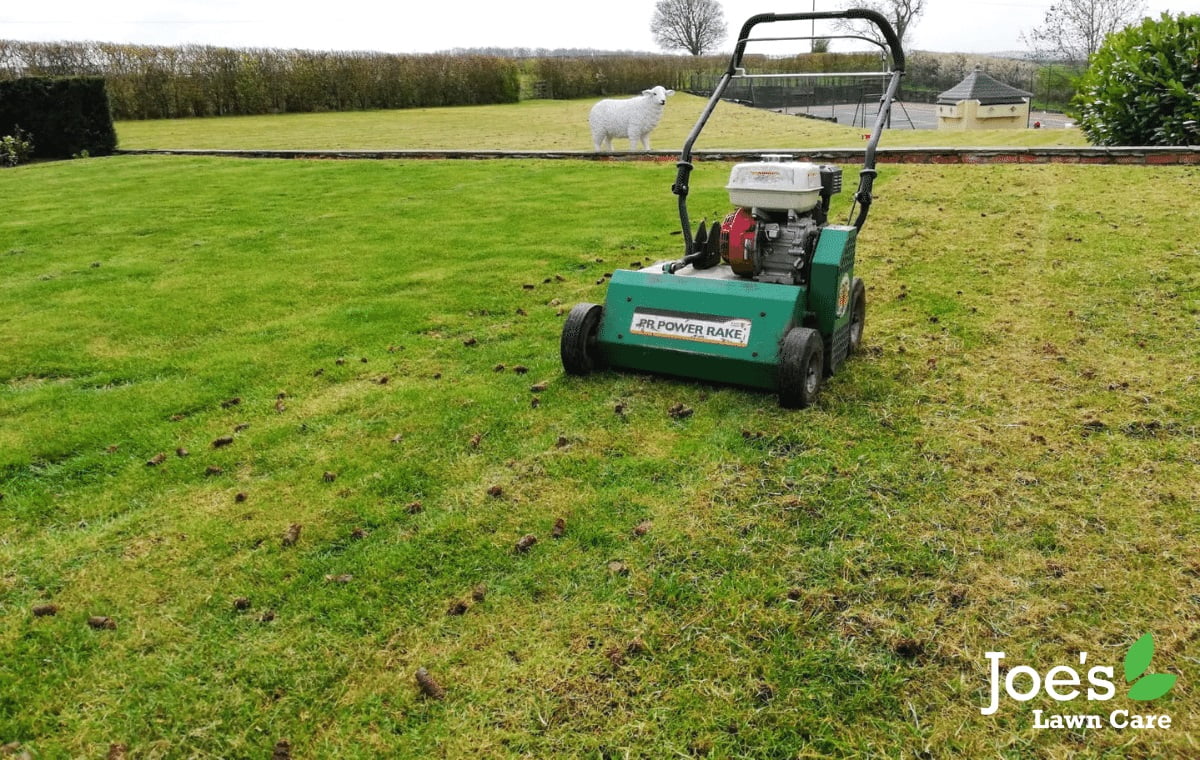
x=681 y=178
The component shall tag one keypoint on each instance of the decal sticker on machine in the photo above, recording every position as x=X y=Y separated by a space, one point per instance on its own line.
x=702 y=328
x=843 y=296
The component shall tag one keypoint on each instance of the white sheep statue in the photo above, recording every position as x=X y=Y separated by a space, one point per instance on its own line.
x=634 y=118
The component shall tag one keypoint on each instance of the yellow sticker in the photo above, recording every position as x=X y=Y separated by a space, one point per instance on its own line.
x=843 y=297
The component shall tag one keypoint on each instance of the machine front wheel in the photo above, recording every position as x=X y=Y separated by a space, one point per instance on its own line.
x=858 y=313
x=801 y=367
x=580 y=354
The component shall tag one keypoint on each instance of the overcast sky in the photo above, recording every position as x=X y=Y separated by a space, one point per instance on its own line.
x=411 y=26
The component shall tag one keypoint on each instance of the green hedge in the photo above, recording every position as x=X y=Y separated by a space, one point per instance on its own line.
x=567 y=78
x=65 y=116
x=155 y=82
x=592 y=76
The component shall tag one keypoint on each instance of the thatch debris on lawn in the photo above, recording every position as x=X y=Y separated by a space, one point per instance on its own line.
x=292 y=534
x=429 y=687
x=525 y=543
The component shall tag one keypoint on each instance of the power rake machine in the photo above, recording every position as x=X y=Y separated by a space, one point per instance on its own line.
x=767 y=298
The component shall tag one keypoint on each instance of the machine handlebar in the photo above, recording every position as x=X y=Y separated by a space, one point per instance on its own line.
x=865 y=14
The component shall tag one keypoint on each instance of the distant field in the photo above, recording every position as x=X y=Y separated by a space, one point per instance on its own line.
x=196 y=354
x=540 y=125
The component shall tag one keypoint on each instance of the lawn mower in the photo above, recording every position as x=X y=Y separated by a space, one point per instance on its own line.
x=767 y=298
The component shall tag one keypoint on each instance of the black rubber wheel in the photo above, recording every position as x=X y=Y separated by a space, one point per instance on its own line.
x=578 y=346
x=858 y=313
x=801 y=367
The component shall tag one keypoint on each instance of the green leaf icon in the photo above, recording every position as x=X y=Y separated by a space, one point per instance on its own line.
x=1137 y=659
x=1152 y=686
x=1137 y=662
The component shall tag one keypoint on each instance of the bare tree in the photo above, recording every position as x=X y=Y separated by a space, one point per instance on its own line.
x=696 y=26
x=902 y=13
x=1073 y=29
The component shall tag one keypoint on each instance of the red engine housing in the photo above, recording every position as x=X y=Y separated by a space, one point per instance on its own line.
x=739 y=237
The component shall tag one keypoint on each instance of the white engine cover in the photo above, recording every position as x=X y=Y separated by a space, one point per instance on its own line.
x=775 y=184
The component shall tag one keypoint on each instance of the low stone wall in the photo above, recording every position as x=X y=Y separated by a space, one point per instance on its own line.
x=1089 y=155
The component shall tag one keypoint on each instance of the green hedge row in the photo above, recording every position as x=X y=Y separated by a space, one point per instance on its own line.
x=149 y=82
x=152 y=82
x=598 y=76
x=64 y=116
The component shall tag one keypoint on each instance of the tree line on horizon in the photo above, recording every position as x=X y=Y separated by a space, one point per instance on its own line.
x=161 y=82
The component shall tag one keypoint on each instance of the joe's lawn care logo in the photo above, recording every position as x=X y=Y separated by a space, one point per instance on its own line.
x=1064 y=683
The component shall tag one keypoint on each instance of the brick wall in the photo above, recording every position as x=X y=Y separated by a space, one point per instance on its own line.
x=1089 y=155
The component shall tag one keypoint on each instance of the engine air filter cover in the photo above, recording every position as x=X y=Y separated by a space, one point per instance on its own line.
x=775 y=184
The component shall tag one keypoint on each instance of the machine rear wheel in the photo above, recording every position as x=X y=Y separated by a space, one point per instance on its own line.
x=580 y=355
x=801 y=367
x=858 y=313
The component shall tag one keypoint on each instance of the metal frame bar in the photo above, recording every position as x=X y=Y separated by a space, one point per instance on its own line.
x=823 y=75
x=876 y=43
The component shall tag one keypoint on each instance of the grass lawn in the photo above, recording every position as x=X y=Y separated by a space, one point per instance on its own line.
x=542 y=125
x=197 y=354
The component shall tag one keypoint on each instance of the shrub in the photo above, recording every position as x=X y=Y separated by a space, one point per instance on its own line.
x=1142 y=86
x=15 y=148
x=69 y=115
